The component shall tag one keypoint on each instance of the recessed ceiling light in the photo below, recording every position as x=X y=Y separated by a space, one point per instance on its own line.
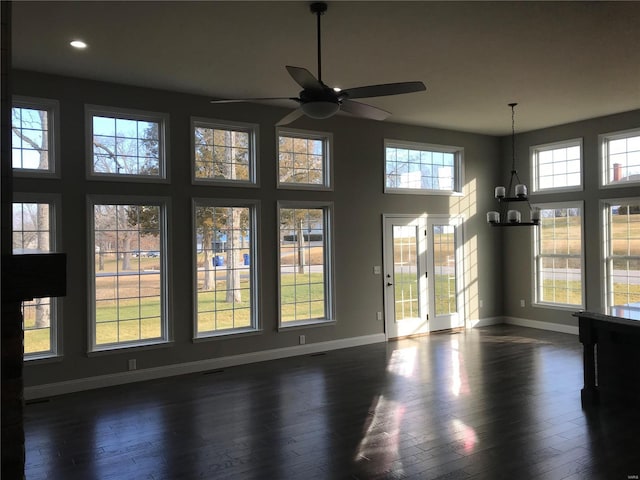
x=78 y=44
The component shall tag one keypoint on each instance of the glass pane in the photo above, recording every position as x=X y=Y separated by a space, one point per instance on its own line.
x=405 y=272
x=444 y=263
x=302 y=258
x=223 y=261
x=30 y=138
x=124 y=146
x=128 y=272
x=419 y=169
x=301 y=160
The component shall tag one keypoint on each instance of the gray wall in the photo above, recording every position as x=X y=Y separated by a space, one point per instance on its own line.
x=358 y=201
x=518 y=241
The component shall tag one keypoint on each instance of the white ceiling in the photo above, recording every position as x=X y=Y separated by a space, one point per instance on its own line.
x=561 y=61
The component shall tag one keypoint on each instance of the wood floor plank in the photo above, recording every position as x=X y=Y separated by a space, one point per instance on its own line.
x=490 y=403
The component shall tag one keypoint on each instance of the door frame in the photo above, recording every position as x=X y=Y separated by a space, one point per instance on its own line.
x=426 y=263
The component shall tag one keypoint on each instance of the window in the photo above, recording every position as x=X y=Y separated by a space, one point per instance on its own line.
x=557 y=166
x=306 y=284
x=559 y=271
x=620 y=158
x=129 y=272
x=34 y=124
x=622 y=254
x=304 y=159
x=34 y=231
x=422 y=168
x=126 y=144
x=224 y=152
x=225 y=267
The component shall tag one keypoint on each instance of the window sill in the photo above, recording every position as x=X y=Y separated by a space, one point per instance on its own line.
x=226 y=335
x=115 y=349
x=304 y=324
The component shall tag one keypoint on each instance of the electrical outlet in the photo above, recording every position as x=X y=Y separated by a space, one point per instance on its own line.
x=132 y=364
x=481 y=303
x=303 y=340
x=376 y=270
x=522 y=302
x=379 y=315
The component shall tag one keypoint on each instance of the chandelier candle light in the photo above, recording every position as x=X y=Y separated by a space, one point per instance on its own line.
x=509 y=217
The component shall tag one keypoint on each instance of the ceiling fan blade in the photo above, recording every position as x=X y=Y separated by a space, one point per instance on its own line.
x=304 y=78
x=257 y=99
x=363 y=110
x=297 y=113
x=383 y=90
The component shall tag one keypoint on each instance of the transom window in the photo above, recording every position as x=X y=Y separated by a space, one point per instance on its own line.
x=304 y=159
x=557 y=166
x=34 y=124
x=620 y=158
x=306 y=285
x=225 y=260
x=622 y=255
x=422 y=168
x=224 y=152
x=558 y=256
x=34 y=231
x=126 y=144
x=128 y=273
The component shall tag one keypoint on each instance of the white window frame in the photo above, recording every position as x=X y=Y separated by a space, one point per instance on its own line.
x=535 y=294
x=129 y=114
x=55 y=241
x=164 y=258
x=254 y=269
x=252 y=129
x=605 y=255
x=534 y=152
x=603 y=143
x=53 y=108
x=458 y=167
x=327 y=158
x=328 y=267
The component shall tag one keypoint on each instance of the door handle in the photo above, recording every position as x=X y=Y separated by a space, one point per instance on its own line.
x=389 y=284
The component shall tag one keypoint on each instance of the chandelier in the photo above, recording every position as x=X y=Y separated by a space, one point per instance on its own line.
x=509 y=216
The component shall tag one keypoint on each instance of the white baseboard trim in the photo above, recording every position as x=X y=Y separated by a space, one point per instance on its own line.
x=70 y=386
x=484 y=322
x=554 y=327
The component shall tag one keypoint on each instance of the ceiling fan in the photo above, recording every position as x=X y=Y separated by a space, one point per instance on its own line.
x=319 y=101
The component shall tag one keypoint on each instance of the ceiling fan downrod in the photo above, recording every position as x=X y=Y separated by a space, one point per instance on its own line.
x=318 y=9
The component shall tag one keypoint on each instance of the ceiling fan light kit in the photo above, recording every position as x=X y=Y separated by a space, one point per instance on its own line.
x=319 y=101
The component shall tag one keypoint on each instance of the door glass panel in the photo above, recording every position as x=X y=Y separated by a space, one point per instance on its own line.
x=405 y=272
x=444 y=263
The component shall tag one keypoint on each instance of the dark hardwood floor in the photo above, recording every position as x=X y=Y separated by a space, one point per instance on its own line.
x=500 y=402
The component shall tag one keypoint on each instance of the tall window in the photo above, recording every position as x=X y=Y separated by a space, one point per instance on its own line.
x=126 y=144
x=224 y=152
x=129 y=272
x=622 y=254
x=422 y=168
x=34 y=124
x=558 y=258
x=306 y=285
x=557 y=166
x=225 y=267
x=34 y=232
x=620 y=158
x=304 y=159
